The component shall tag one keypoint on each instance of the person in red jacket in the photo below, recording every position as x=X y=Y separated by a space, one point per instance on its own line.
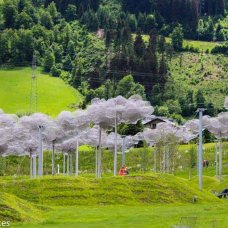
x=122 y=171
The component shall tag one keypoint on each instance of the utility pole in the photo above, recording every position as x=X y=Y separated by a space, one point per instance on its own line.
x=200 y=149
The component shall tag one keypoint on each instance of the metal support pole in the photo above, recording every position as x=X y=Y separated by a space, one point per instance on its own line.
x=167 y=161
x=68 y=164
x=53 y=158
x=34 y=166
x=96 y=161
x=200 y=110
x=155 y=159
x=76 y=160
x=58 y=171
x=31 y=165
x=123 y=152
x=220 y=160
x=71 y=164
x=115 y=152
x=40 y=159
x=216 y=160
x=64 y=163
x=99 y=156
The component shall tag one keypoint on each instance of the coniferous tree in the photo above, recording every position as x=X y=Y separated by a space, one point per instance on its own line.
x=139 y=45
x=200 y=100
x=153 y=41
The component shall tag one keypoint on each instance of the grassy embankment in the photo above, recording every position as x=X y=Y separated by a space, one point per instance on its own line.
x=147 y=200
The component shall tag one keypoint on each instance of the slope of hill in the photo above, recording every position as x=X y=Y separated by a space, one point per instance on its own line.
x=132 y=190
x=14 y=209
x=201 y=71
x=53 y=94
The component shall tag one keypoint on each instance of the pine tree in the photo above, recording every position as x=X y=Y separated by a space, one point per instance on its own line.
x=153 y=41
x=200 y=100
x=139 y=45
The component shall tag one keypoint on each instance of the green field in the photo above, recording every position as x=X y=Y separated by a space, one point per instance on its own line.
x=133 y=216
x=53 y=94
x=201 y=45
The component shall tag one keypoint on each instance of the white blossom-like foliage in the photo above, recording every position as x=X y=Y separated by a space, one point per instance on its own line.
x=68 y=146
x=8 y=120
x=110 y=141
x=193 y=125
x=34 y=121
x=219 y=125
x=91 y=136
x=119 y=109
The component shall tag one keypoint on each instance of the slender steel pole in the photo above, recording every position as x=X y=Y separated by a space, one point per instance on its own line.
x=53 y=158
x=115 y=152
x=71 y=164
x=123 y=152
x=220 y=160
x=58 y=169
x=216 y=160
x=155 y=159
x=34 y=166
x=31 y=165
x=68 y=164
x=64 y=163
x=200 y=149
x=96 y=161
x=76 y=160
x=99 y=156
x=40 y=159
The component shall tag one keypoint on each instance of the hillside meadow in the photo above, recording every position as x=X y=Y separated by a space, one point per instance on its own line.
x=54 y=95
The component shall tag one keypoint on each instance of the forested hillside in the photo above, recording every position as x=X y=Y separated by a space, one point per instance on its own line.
x=99 y=47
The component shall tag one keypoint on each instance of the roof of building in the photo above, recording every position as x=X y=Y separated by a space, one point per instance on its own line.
x=153 y=118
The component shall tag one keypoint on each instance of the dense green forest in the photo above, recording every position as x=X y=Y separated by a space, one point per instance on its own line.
x=98 y=47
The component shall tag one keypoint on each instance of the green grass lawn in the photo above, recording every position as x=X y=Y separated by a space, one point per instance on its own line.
x=53 y=94
x=159 y=216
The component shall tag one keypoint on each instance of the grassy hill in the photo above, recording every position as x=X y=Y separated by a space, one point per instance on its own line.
x=53 y=94
x=146 y=200
x=14 y=209
x=132 y=190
